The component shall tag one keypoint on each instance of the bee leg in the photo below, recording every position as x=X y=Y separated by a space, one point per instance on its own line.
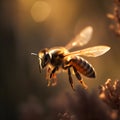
x=48 y=70
x=53 y=71
x=79 y=78
x=70 y=78
x=77 y=73
x=54 y=80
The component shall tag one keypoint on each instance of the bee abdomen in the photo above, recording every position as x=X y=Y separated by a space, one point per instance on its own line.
x=83 y=67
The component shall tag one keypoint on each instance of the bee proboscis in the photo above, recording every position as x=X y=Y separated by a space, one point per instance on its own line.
x=60 y=58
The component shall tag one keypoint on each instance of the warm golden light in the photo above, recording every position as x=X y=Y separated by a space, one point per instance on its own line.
x=40 y=11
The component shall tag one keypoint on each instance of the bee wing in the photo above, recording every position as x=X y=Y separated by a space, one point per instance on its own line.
x=91 y=52
x=81 y=39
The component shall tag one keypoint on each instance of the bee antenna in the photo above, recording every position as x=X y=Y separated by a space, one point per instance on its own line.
x=34 y=54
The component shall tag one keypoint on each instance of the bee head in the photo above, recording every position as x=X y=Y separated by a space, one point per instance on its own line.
x=44 y=58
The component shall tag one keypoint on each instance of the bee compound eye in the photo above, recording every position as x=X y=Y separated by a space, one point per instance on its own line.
x=47 y=57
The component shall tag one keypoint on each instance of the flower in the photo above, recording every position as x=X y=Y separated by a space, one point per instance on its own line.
x=115 y=17
x=110 y=94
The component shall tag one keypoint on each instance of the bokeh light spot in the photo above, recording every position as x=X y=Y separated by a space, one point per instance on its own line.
x=40 y=11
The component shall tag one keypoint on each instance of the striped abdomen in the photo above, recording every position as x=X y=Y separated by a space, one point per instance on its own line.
x=83 y=66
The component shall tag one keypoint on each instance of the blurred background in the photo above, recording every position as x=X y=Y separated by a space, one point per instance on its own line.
x=30 y=25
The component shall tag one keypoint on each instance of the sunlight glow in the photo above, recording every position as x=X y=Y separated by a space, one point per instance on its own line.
x=40 y=11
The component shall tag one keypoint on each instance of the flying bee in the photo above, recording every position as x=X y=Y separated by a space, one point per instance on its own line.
x=60 y=58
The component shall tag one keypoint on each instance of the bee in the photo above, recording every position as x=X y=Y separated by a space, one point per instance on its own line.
x=60 y=58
